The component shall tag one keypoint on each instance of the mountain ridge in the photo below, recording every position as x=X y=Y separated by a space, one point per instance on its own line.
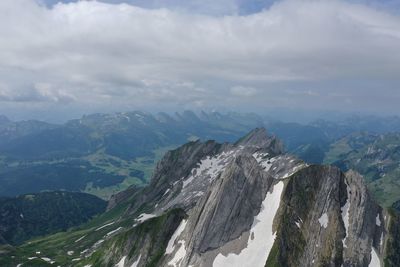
x=240 y=204
x=203 y=240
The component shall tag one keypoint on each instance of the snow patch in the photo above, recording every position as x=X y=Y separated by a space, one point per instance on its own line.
x=48 y=260
x=135 y=264
x=178 y=232
x=179 y=255
x=210 y=166
x=294 y=170
x=108 y=224
x=70 y=253
x=166 y=192
x=258 y=248
x=127 y=118
x=144 y=217
x=98 y=243
x=324 y=220
x=198 y=194
x=377 y=220
x=113 y=231
x=265 y=163
x=188 y=181
x=79 y=239
x=345 y=211
x=121 y=263
x=374 y=259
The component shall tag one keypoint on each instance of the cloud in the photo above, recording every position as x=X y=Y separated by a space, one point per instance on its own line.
x=209 y=7
x=94 y=53
x=41 y=92
x=243 y=91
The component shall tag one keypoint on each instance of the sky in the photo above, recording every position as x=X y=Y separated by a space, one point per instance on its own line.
x=59 y=60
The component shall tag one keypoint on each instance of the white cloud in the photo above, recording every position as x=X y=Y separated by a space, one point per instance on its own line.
x=93 y=52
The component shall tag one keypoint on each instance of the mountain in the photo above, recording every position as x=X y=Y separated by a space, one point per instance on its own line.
x=32 y=215
x=10 y=130
x=312 y=141
x=230 y=204
x=356 y=123
x=103 y=153
x=305 y=141
x=376 y=157
x=396 y=205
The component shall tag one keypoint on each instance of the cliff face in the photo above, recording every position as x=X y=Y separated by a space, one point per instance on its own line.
x=249 y=204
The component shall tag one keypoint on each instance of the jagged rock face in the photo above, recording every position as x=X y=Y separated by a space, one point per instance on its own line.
x=170 y=171
x=257 y=138
x=123 y=196
x=365 y=231
x=232 y=202
x=248 y=204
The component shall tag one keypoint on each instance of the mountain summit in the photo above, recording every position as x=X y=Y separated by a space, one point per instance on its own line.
x=242 y=204
x=259 y=138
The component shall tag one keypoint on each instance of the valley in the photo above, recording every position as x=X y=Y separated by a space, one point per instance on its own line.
x=189 y=133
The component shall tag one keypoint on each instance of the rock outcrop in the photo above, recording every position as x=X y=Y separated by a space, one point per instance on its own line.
x=249 y=204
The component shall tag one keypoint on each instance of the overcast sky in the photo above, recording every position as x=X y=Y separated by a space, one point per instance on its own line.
x=65 y=59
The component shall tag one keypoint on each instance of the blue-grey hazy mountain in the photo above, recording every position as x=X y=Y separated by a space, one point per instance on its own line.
x=105 y=153
x=351 y=124
x=308 y=142
x=100 y=151
x=311 y=142
x=10 y=130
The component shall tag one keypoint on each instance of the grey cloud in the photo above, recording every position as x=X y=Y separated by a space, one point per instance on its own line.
x=239 y=90
x=92 y=53
x=41 y=92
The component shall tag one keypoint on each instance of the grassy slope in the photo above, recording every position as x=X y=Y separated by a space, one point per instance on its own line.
x=115 y=165
x=380 y=169
x=56 y=246
x=99 y=174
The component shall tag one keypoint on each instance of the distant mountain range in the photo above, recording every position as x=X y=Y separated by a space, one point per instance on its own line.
x=103 y=154
x=246 y=203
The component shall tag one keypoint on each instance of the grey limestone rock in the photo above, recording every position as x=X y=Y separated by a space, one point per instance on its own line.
x=323 y=217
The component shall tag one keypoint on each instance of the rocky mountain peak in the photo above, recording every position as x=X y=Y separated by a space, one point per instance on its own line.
x=246 y=204
x=260 y=138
